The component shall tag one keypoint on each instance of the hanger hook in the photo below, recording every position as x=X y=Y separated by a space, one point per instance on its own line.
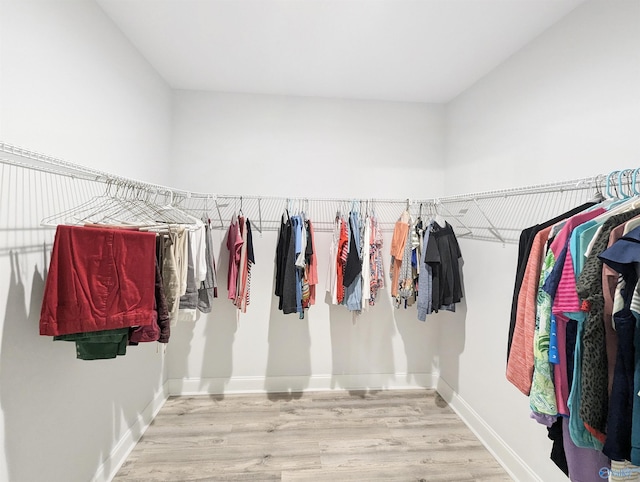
x=597 y=181
x=609 y=184
x=634 y=178
x=628 y=182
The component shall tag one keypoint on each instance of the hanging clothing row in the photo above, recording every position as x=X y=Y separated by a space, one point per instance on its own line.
x=113 y=286
x=296 y=264
x=110 y=286
x=355 y=269
x=574 y=337
x=241 y=259
x=426 y=265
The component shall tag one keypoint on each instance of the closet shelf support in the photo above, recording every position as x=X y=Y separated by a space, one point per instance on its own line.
x=492 y=229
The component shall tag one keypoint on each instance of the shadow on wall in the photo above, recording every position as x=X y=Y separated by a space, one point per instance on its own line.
x=37 y=402
x=289 y=357
x=362 y=350
x=452 y=340
x=220 y=328
x=62 y=415
x=420 y=341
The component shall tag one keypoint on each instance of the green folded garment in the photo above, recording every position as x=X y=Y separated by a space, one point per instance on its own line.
x=98 y=345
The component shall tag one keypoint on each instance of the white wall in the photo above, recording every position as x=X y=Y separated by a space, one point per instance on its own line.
x=296 y=146
x=268 y=145
x=566 y=106
x=71 y=86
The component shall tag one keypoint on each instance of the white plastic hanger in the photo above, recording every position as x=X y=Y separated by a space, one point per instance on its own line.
x=438 y=218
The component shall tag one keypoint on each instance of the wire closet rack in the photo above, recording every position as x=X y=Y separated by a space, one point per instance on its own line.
x=35 y=187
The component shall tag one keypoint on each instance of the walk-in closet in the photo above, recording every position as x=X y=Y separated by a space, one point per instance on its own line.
x=319 y=240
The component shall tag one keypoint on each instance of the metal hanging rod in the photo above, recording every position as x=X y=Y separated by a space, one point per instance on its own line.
x=560 y=186
x=496 y=215
x=34 y=160
x=25 y=158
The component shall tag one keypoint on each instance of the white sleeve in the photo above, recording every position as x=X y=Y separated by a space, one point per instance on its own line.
x=200 y=254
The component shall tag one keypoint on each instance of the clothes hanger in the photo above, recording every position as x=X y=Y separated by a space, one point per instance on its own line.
x=128 y=211
x=634 y=177
x=619 y=205
x=437 y=217
x=68 y=216
x=172 y=214
x=206 y=213
x=99 y=213
x=598 y=197
x=621 y=193
x=155 y=216
x=353 y=206
x=405 y=217
x=609 y=184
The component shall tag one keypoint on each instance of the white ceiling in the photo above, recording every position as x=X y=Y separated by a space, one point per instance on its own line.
x=400 y=50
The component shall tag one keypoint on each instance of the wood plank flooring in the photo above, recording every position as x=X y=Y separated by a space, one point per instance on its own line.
x=395 y=435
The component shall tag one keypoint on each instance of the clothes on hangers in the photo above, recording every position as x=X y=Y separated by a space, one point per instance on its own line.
x=286 y=288
x=341 y=261
x=282 y=251
x=247 y=261
x=189 y=300
x=311 y=270
x=356 y=274
x=160 y=330
x=624 y=257
x=366 y=263
x=234 y=245
x=185 y=266
x=197 y=268
x=208 y=289
x=584 y=344
x=376 y=266
x=443 y=255
x=353 y=266
x=526 y=245
x=406 y=292
x=425 y=280
x=398 y=241
x=296 y=265
x=543 y=398
x=175 y=268
x=350 y=276
x=99 y=279
x=594 y=395
x=98 y=345
x=111 y=259
x=241 y=259
x=331 y=286
x=429 y=270
x=338 y=254
x=101 y=293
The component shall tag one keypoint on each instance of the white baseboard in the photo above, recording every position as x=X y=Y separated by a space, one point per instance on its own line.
x=125 y=445
x=510 y=461
x=382 y=381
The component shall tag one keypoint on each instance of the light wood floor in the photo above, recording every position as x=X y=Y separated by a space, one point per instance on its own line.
x=323 y=436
